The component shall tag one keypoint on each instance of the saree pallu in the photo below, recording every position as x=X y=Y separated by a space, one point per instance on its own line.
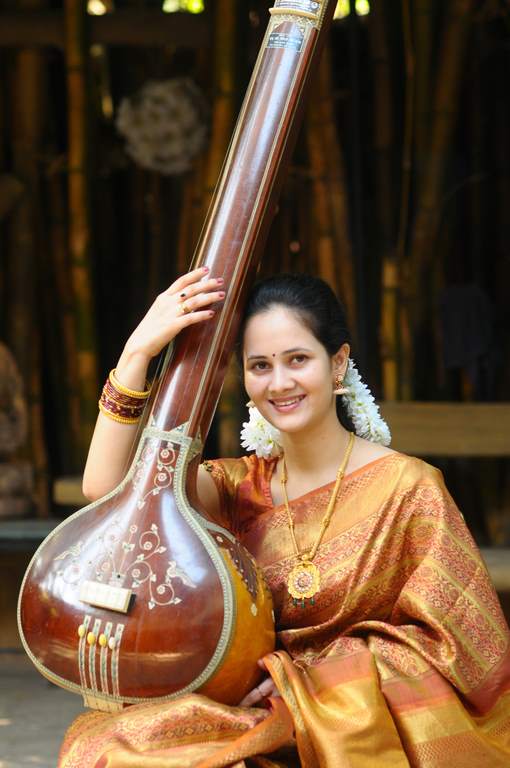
x=404 y=660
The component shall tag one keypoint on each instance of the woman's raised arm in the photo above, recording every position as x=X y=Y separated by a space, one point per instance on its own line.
x=187 y=301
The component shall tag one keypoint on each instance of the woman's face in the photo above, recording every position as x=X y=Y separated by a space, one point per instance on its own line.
x=287 y=372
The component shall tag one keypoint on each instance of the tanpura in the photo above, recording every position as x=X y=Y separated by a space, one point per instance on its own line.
x=139 y=596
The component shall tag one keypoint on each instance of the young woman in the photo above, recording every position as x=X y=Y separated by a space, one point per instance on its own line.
x=392 y=647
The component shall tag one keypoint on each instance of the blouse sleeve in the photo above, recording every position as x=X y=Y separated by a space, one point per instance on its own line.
x=227 y=475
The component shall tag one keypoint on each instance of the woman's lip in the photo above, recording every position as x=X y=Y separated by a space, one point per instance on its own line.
x=293 y=402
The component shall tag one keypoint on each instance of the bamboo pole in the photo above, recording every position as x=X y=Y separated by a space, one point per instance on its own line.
x=501 y=223
x=136 y=180
x=418 y=23
x=332 y=242
x=476 y=197
x=27 y=131
x=360 y=285
x=401 y=312
x=79 y=216
x=60 y=313
x=224 y=90
x=457 y=25
x=383 y=142
x=423 y=20
x=184 y=246
x=3 y=145
x=323 y=240
x=153 y=200
x=344 y=272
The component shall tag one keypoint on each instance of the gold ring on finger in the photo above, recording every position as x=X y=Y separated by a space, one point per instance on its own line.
x=184 y=309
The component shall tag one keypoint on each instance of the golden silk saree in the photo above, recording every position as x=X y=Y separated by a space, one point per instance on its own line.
x=403 y=660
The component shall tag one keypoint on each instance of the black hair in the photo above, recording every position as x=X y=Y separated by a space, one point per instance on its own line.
x=318 y=308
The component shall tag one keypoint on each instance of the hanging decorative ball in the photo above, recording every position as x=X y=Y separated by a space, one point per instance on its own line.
x=165 y=125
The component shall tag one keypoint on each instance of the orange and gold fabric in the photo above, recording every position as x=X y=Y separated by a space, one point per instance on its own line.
x=403 y=660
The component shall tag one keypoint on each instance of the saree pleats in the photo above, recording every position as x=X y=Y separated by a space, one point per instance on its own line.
x=404 y=660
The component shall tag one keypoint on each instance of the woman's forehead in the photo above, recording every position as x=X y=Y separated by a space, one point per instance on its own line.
x=276 y=331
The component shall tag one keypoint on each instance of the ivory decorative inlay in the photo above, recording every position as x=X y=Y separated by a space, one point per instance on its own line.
x=132 y=560
x=165 y=467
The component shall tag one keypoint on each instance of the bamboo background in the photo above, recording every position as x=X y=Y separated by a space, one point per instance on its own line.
x=398 y=195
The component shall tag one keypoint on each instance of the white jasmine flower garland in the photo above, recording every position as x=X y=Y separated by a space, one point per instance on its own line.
x=260 y=436
x=362 y=409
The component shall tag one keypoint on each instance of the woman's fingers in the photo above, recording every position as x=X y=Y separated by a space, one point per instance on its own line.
x=183 y=282
x=202 y=286
x=252 y=698
x=188 y=305
x=197 y=317
x=189 y=300
x=259 y=693
x=267 y=686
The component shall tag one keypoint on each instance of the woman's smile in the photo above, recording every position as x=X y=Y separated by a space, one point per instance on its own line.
x=284 y=405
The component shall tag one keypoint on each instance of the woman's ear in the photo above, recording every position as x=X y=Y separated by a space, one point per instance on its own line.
x=341 y=359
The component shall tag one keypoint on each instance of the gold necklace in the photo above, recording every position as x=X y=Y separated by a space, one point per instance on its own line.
x=304 y=580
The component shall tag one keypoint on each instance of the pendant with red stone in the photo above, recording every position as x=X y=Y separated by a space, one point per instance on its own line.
x=304 y=582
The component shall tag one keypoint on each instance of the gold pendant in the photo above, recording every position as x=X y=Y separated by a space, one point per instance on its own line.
x=304 y=582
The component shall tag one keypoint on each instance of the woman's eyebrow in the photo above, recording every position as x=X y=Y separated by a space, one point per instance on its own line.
x=285 y=352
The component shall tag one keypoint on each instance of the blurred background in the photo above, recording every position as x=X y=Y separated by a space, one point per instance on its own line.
x=115 y=116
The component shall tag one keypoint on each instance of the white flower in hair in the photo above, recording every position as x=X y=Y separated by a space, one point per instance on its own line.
x=362 y=409
x=260 y=436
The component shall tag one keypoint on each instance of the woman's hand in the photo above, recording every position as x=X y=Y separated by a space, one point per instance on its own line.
x=186 y=302
x=261 y=692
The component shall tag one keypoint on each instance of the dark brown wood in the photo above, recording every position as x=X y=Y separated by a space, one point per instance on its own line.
x=127 y=26
x=147 y=535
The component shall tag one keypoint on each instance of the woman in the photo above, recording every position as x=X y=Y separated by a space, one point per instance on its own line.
x=392 y=647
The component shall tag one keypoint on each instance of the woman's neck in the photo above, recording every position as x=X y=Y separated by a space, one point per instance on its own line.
x=315 y=449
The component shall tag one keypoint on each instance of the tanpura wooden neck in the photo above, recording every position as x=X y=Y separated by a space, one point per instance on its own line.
x=241 y=211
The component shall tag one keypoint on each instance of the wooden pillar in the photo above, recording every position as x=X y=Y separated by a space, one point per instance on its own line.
x=79 y=215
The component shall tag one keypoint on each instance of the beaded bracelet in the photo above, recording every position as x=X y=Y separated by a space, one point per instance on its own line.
x=108 y=410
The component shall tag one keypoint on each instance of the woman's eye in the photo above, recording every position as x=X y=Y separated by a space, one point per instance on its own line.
x=260 y=366
x=299 y=359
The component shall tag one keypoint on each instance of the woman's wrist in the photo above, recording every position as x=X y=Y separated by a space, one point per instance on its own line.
x=131 y=368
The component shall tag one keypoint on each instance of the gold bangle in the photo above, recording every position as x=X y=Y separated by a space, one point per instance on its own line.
x=125 y=391
x=114 y=417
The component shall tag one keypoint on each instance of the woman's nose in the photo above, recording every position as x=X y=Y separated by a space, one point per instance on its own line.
x=281 y=380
